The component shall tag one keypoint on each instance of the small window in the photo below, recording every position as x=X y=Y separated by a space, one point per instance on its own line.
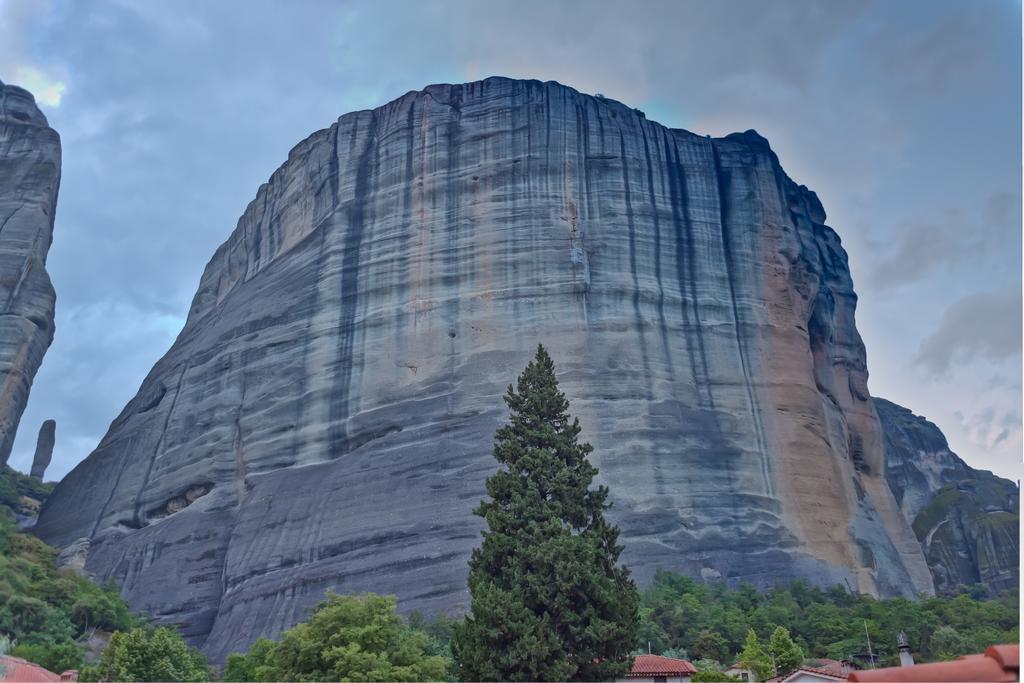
x=660 y=679
x=744 y=676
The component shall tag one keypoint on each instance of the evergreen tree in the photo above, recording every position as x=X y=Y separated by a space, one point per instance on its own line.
x=549 y=601
x=755 y=658
x=785 y=654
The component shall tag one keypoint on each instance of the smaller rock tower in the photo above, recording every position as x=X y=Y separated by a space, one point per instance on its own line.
x=44 y=448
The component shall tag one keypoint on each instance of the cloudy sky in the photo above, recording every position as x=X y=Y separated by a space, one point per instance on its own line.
x=904 y=117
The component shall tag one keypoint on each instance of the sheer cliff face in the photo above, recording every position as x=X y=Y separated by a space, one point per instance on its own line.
x=29 y=178
x=325 y=418
x=966 y=520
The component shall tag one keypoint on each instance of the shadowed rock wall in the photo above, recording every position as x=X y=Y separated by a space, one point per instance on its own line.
x=967 y=520
x=325 y=418
x=29 y=180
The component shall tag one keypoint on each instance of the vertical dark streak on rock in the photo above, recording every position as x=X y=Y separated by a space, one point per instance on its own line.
x=110 y=496
x=355 y=230
x=452 y=258
x=241 y=469
x=631 y=227
x=323 y=225
x=656 y=218
x=508 y=256
x=404 y=286
x=584 y=200
x=723 y=182
x=547 y=136
x=686 y=273
x=591 y=213
x=160 y=445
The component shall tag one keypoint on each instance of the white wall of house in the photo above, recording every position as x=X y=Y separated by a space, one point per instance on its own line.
x=743 y=674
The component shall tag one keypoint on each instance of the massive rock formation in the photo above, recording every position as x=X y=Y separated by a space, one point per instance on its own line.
x=29 y=179
x=325 y=417
x=44 y=448
x=967 y=520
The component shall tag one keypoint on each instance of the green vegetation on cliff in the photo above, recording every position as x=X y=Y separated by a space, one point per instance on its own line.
x=969 y=533
x=46 y=611
x=21 y=493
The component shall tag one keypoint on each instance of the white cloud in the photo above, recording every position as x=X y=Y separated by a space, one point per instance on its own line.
x=48 y=91
x=18 y=66
x=981 y=325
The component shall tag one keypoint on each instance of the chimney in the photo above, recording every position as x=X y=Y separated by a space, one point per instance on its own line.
x=906 y=659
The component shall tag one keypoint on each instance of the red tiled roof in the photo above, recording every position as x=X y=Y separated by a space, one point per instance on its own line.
x=17 y=670
x=823 y=671
x=832 y=666
x=656 y=665
x=999 y=663
x=829 y=672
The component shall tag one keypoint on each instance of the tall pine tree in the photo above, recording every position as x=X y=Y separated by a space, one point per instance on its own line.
x=549 y=601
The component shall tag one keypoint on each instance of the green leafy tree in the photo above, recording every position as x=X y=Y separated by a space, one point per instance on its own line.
x=711 y=645
x=948 y=643
x=148 y=654
x=706 y=665
x=348 y=637
x=713 y=676
x=56 y=657
x=256 y=665
x=549 y=600
x=439 y=638
x=755 y=658
x=785 y=654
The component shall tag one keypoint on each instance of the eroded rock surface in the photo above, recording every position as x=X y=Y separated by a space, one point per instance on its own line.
x=74 y=555
x=29 y=180
x=338 y=381
x=967 y=520
x=44 y=448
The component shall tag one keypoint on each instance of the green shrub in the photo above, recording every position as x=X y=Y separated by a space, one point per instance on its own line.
x=354 y=638
x=56 y=657
x=45 y=611
x=146 y=653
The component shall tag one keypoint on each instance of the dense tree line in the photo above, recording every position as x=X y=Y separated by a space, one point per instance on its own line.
x=687 y=618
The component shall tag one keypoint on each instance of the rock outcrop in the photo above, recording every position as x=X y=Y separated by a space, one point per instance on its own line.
x=74 y=556
x=29 y=180
x=325 y=417
x=44 y=448
x=966 y=520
